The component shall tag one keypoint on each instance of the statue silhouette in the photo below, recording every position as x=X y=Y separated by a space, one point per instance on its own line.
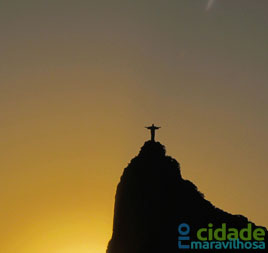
x=153 y=128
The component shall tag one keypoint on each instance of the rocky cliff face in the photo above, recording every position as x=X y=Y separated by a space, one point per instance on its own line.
x=152 y=199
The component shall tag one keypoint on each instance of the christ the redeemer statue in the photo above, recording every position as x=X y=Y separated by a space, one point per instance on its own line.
x=152 y=128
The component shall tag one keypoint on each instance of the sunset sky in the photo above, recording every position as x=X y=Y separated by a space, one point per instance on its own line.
x=79 y=80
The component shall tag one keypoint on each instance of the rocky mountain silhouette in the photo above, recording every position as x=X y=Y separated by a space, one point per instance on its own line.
x=153 y=199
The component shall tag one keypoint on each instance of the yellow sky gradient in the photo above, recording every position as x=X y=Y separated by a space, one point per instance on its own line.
x=80 y=81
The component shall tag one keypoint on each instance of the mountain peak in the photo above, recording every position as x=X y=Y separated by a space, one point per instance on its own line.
x=152 y=200
x=152 y=148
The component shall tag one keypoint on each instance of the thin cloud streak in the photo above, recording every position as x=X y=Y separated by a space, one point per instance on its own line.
x=210 y=4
